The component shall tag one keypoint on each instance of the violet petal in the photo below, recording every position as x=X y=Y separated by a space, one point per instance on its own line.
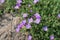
x=45 y=28
x=37 y=21
x=25 y=15
x=28 y=26
x=2 y=1
x=51 y=37
x=35 y=1
x=29 y=37
x=30 y=20
x=37 y=15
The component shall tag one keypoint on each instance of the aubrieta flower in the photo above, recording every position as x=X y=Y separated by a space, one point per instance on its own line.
x=35 y=1
x=30 y=20
x=45 y=28
x=25 y=15
x=28 y=26
x=29 y=37
x=2 y=1
x=38 y=18
x=17 y=6
x=58 y=15
x=19 y=1
x=51 y=37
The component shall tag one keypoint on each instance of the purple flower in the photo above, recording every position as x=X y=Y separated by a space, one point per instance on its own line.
x=2 y=1
x=29 y=37
x=58 y=15
x=24 y=22
x=19 y=1
x=38 y=18
x=45 y=28
x=37 y=21
x=51 y=37
x=28 y=26
x=35 y=1
x=30 y=20
x=17 y=6
x=25 y=15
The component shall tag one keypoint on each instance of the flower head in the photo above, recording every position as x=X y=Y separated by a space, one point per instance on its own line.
x=45 y=28
x=28 y=26
x=35 y=1
x=51 y=37
x=25 y=15
x=29 y=37
x=38 y=18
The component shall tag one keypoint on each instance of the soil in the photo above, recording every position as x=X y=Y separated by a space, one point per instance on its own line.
x=8 y=24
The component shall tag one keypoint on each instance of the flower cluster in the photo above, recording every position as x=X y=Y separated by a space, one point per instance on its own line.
x=18 y=4
x=27 y=23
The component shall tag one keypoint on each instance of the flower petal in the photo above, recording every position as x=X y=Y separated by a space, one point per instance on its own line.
x=28 y=26
x=25 y=15
x=37 y=21
x=30 y=20
x=29 y=37
x=35 y=1
x=45 y=28
x=37 y=15
x=2 y=1
x=24 y=22
x=51 y=37
x=19 y=1
x=16 y=7
x=17 y=29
